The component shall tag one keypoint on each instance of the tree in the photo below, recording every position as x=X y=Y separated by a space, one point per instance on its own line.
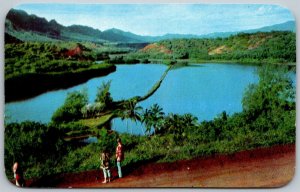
x=72 y=107
x=131 y=112
x=267 y=102
x=152 y=118
x=103 y=94
x=275 y=89
x=107 y=140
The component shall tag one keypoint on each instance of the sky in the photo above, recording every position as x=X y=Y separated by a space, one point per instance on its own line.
x=160 y=19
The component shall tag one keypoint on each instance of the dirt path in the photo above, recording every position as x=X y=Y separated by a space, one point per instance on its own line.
x=266 y=167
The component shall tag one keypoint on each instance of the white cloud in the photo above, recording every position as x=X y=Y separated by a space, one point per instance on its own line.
x=264 y=10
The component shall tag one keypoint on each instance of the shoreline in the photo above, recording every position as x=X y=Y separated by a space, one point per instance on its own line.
x=29 y=85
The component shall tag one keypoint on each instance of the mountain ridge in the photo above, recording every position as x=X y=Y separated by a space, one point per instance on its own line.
x=25 y=27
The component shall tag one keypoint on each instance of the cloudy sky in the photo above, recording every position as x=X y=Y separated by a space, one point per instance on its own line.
x=160 y=19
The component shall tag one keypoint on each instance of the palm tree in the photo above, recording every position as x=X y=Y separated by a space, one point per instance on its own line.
x=103 y=94
x=152 y=118
x=177 y=124
x=174 y=123
x=147 y=120
x=132 y=112
x=189 y=119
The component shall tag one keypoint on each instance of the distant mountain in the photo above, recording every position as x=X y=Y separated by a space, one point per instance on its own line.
x=81 y=33
x=170 y=36
x=84 y=30
x=20 y=20
x=25 y=27
x=117 y=35
x=33 y=28
x=287 y=26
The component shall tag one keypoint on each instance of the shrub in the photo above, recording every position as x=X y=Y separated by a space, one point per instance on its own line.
x=71 y=109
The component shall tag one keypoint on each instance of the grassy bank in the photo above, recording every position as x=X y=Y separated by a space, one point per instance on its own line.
x=259 y=62
x=245 y=61
x=256 y=62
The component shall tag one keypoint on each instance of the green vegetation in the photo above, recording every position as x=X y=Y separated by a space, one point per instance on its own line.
x=31 y=84
x=36 y=146
x=71 y=110
x=267 y=47
x=48 y=62
x=43 y=150
x=34 y=57
x=37 y=61
x=32 y=68
x=76 y=106
x=268 y=118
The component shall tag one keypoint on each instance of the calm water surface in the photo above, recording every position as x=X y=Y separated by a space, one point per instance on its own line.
x=204 y=90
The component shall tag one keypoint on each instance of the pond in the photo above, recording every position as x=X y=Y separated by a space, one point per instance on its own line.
x=204 y=90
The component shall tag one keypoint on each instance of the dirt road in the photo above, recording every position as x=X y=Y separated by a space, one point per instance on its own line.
x=265 y=167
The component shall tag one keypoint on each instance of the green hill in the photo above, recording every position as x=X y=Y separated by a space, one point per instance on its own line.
x=261 y=47
x=117 y=35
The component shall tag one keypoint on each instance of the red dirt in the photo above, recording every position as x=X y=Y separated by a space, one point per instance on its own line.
x=156 y=48
x=263 y=167
x=76 y=51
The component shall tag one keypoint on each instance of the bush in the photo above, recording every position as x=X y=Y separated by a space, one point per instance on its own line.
x=71 y=109
x=32 y=144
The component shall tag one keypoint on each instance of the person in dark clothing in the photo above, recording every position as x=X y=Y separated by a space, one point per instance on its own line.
x=104 y=159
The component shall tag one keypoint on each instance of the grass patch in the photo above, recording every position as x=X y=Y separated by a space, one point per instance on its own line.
x=96 y=122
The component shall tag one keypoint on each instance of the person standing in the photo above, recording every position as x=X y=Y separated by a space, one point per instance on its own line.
x=119 y=156
x=18 y=175
x=104 y=159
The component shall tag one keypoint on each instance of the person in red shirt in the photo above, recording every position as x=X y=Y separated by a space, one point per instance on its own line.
x=18 y=175
x=119 y=156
